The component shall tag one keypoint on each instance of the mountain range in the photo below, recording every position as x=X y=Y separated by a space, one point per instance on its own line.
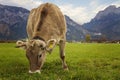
x=106 y=23
x=13 y=22
x=75 y=31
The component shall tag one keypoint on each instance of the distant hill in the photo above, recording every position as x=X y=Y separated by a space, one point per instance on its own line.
x=13 y=22
x=75 y=31
x=106 y=22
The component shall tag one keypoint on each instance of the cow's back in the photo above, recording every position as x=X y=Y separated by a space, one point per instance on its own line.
x=46 y=21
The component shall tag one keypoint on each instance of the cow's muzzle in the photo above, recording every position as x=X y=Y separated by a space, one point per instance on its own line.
x=37 y=71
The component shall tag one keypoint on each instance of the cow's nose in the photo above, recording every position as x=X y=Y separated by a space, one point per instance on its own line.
x=37 y=71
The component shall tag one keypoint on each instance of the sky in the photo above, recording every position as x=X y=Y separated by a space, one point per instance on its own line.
x=81 y=11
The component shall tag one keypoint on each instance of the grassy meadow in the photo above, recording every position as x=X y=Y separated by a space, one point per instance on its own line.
x=85 y=61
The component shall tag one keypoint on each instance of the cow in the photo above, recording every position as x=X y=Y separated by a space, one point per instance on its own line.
x=46 y=28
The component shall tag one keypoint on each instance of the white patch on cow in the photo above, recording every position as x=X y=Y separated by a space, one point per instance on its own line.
x=37 y=71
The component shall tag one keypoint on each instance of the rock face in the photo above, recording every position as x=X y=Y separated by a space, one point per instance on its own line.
x=75 y=31
x=107 y=23
x=13 y=22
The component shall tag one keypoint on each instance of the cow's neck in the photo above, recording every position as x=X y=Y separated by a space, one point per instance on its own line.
x=38 y=37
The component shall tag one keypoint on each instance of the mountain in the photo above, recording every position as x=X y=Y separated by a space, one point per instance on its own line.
x=75 y=31
x=106 y=23
x=13 y=22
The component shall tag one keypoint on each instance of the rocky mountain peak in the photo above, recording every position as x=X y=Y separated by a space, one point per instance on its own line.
x=75 y=31
x=106 y=22
x=112 y=9
x=13 y=22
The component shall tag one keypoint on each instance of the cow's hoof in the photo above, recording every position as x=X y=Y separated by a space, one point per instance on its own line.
x=66 y=69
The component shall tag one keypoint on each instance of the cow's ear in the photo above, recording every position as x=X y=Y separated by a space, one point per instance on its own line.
x=50 y=44
x=21 y=44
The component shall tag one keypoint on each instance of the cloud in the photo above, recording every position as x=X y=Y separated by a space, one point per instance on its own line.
x=80 y=14
x=95 y=6
x=76 y=13
x=94 y=3
x=84 y=14
x=116 y=3
x=28 y=4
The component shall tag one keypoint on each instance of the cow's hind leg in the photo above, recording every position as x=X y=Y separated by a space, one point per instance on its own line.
x=62 y=54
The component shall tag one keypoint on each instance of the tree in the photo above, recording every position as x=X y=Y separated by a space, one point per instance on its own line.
x=87 y=38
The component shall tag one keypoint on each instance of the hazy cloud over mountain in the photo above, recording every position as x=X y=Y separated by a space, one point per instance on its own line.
x=81 y=11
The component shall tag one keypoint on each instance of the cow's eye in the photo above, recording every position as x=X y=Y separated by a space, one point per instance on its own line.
x=42 y=48
x=39 y=55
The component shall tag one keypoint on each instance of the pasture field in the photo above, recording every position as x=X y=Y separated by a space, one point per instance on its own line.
x=86 y=61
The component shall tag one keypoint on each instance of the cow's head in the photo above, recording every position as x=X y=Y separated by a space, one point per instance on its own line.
x=35 y=52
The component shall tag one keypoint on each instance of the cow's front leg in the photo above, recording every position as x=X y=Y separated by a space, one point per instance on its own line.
x=62 y=54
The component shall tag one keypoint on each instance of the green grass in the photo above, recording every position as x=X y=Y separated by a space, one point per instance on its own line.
x=85 y=62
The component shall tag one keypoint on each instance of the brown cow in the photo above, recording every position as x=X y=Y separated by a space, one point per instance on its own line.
x=46 y=27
